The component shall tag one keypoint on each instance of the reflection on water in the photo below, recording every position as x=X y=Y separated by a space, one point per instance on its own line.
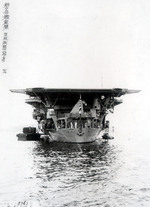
x=40 y=174
x=73 y=175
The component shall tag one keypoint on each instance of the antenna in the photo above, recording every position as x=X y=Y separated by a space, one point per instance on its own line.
x=102 y=81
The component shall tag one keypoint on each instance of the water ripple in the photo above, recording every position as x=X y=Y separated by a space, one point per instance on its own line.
x=38 y=174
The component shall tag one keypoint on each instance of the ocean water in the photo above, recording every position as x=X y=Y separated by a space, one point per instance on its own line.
x=110 y=174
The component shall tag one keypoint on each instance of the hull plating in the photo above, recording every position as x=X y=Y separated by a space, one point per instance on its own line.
x=73 y=135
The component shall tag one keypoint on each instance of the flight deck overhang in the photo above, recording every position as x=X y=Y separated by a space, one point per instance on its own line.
x=115 y=92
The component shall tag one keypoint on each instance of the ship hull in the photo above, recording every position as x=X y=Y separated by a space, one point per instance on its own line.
x=72 y=135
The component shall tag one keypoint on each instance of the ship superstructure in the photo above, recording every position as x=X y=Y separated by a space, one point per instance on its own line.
x=72 y=115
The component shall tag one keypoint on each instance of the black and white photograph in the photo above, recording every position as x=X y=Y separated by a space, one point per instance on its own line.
x=75 y=103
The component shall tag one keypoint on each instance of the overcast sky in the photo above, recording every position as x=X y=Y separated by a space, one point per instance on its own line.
x=78 y=44
x=74 y=43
